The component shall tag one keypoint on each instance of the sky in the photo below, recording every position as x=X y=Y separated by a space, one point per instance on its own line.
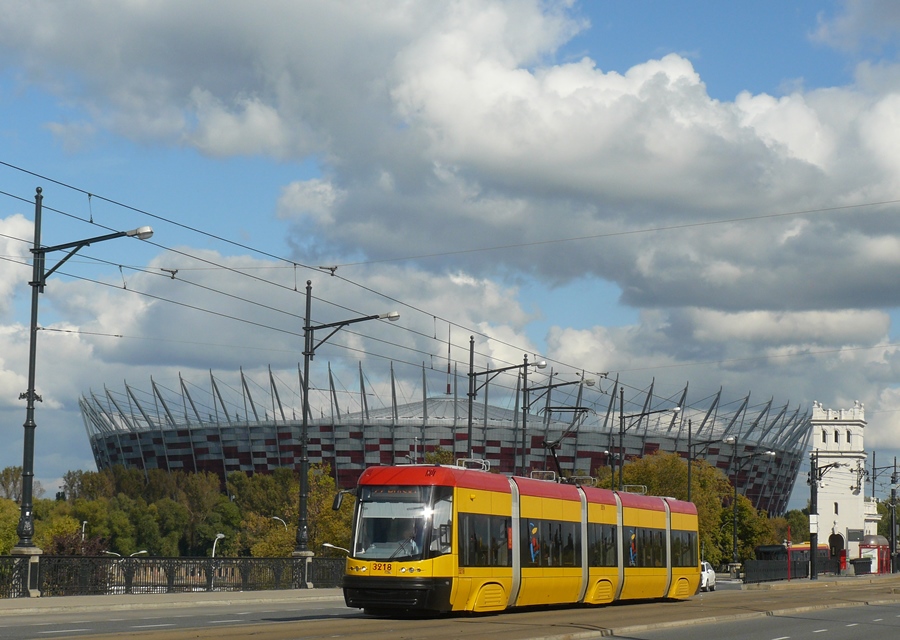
x=681 y=192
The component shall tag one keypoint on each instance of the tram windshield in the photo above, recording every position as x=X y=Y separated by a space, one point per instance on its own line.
x=402 y=522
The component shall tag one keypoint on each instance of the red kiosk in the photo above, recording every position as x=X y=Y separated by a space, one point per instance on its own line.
x=878 y=550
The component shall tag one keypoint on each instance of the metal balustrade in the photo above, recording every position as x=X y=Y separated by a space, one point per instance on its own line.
x=88 y=575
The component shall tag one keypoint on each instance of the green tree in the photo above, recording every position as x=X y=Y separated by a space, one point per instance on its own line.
x=161 y=484
x=94 y=485
x=326 y=524
x=753 y=529
x=94 y=512
x=122 y=529
x=798 y=522
x=199 y=493
x=266 y=537
x=439 y=455
x=11 y=483
x=9 y=520
x=274 y=494
x=71 y=484
x=172 y=518
x=131 y=482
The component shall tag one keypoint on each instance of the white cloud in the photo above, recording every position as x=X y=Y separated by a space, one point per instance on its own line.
x=249 y=128
x=316 y=198
x=860 y=21
x=441 y=130
x=777 y=328
x=16 y=235
x=790 y=122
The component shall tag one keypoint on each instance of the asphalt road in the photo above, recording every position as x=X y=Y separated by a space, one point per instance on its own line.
x=319 y=613
x=872 y=622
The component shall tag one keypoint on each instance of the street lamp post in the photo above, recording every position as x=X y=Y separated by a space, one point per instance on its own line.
x=473 y=390
x=622 y=429
x=734 y=509
x=25 y=529
x=816 y=473
x=309 y=351
x=690 y=459
x=894 y=480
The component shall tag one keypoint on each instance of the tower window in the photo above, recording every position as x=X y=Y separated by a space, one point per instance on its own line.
x=837 y=436
x=848 y=436
x=835 y=508
x=824 y=436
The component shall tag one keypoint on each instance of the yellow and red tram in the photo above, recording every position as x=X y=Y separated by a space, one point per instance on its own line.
x=442 y=538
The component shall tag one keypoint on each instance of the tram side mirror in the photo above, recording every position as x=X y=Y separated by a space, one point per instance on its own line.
x=445 y=536
x=339 y=498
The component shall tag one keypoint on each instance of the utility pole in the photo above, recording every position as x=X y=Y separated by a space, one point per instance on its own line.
x=894 y=516
x=813 y=514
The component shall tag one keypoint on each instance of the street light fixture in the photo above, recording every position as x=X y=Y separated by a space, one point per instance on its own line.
x=309 y=352
x=493 y=373
x=280 y=520
x=25 y=529
x=130 y=555
x=219 y=536
x=734 y=509
x=622 y=429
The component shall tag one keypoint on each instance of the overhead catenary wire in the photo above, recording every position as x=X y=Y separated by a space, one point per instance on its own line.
x=294 y=264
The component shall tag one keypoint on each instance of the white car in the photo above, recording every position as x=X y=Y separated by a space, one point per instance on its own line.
x=707 y=577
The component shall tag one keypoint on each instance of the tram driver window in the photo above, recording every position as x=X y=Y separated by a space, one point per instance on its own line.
x=441 y=522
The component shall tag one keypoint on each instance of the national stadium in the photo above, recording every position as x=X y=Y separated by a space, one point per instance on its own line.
x=250 y=423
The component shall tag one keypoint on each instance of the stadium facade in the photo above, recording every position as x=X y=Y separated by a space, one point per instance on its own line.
x=207 y=430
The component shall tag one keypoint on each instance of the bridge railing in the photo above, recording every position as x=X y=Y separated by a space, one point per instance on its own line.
x=88 y=575
x=772 y=570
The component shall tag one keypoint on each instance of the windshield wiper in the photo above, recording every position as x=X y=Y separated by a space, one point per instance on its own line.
x=402 y=547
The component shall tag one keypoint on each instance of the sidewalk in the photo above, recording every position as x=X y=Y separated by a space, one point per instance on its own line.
x=26 y=606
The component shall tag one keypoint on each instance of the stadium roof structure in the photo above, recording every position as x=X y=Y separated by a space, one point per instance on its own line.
x=198 y=428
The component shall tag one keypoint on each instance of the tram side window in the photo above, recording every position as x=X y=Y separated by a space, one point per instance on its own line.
x=602 y=545
x=484 y=541
x=570 y=532
x=647 y=547
x=684 y=549
x=550 y=543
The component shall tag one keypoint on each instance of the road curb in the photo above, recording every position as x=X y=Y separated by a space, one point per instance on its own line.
x=611 y=632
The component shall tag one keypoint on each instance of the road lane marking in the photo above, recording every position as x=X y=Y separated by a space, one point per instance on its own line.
x=820 y=631
x=65 y=631
x=151 y=626
x=223 y=621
